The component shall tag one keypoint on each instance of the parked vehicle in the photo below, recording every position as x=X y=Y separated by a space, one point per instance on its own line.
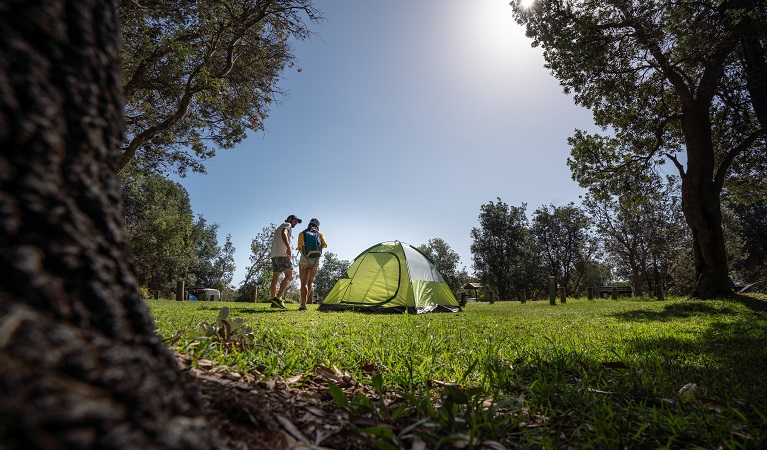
x=206 y=294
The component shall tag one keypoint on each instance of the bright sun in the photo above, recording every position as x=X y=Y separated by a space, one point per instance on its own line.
x=527 y=3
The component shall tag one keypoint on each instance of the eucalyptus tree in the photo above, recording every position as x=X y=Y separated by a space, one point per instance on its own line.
x=500 y=247
x=198 y=75
x=679 y=82
x=563 y=237
x=446 y=260
x=81 y=364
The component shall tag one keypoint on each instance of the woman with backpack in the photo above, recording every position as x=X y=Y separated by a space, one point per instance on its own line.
x=310 y=243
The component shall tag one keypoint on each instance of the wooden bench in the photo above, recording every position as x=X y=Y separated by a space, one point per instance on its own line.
x=607 y=291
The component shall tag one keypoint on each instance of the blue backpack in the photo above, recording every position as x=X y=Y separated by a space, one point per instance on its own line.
x=312 y=244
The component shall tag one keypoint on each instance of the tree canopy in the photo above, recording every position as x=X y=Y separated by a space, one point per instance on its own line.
x=501 y=248
x=563 y=237
x=213 y=265
x=158 y=221
x=166 y=242
x=683 y=82
x=198 y=75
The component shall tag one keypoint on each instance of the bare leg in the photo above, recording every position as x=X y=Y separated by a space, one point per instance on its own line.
x=285 y=282
x=302 y=274
x=311 y=273
x=273 y=287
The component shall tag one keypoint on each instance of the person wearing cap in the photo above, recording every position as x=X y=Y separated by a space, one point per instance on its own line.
x=281 y=260
x=308 y=267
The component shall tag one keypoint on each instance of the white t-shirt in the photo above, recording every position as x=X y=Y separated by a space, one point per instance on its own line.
x=278 y=247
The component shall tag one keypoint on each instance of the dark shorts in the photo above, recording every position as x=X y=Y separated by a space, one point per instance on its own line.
x=280 y=263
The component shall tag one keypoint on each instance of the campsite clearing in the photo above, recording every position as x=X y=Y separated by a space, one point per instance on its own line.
x=630 y=373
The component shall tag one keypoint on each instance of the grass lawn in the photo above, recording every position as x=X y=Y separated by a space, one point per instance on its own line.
x=633 y=373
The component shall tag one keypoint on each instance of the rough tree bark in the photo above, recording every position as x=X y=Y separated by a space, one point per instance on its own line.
x=80 y=367
x=701 y=192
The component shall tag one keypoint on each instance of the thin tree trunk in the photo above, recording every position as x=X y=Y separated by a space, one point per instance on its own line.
x=81 y=367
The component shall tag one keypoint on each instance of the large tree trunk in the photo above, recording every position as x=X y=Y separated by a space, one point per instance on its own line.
x=81 y=367
x=701 y=206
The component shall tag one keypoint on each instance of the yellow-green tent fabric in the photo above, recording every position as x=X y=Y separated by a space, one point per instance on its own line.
x=391 y=277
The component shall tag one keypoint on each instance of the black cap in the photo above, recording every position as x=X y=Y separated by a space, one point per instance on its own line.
x=292 y=217
x=314 y=223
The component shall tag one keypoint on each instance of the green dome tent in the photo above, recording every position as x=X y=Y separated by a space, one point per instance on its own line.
x=391 y=277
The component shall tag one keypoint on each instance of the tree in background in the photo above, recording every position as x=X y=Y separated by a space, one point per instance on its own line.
x=595 y=273
x=331 y=270
x=683 y=82
x=158 y=220
x=639 y=221
x=81 y=365
x=753 y=221
x=562 y=235
x=499 y=248
x=213 y=266
x=447 y=261
x=166 y=244
x=198 y=75
x=259 y=273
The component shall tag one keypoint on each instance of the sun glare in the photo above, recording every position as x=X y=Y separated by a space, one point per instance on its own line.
x=527 y=3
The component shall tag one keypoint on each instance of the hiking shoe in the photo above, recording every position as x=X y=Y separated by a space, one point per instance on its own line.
x=302 y=308
x=278 y=303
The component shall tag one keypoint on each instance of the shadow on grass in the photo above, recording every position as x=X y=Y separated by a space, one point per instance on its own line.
x=251 y=310
x=265 y=310
x=752 y=303
x=727 y=344
x=686 y=309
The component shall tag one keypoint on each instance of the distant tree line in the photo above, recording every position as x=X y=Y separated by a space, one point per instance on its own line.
x=637 y=238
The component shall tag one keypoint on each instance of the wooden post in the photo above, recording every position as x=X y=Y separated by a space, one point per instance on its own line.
x=179 y=290
x=492 y=298
x=522 y=296
x=552 y=291
x=591 y=293
x=659 y=291
x=253 y=294
x=615 y=293
x=562 y=298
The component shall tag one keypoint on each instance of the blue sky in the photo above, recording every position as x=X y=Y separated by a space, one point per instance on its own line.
x=405 y=118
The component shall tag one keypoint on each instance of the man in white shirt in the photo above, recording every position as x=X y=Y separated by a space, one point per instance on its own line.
x=281 y=260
